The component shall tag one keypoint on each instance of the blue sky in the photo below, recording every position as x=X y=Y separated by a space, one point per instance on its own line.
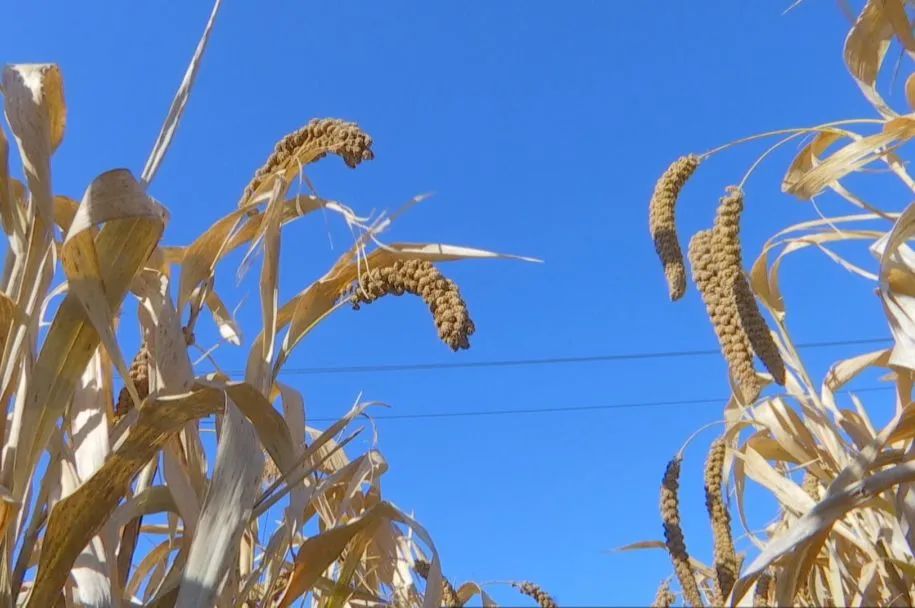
x=541 y=128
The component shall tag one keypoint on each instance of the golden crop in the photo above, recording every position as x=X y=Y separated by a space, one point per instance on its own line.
x=842 y=533
x=125 y=442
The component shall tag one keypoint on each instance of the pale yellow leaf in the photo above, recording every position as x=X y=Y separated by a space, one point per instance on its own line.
x=225 y=513
x=852 y=157
x=133 y=224
x=164 y=140
x=75 y=519
x=865 y=49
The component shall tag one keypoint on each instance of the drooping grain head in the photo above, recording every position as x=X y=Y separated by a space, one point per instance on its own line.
x=319 y=136
x=728 y=214
x=729 y=260
x=421 y=278
x=450 y=597
x=725 y=246
x=673 y=533
x=662 y=222
x=139 y=373
x=664 y=598
x=726 y=563
x=543 y=599
x=722 y=310
x=757 y=330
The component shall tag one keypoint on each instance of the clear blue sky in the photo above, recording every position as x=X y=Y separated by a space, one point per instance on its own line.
x=541 y=127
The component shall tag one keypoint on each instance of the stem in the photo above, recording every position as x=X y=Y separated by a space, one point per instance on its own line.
x=799 y=130
x=765 y=155
x=696 y=434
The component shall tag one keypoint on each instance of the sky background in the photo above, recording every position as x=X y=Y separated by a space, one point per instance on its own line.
x=541 y=128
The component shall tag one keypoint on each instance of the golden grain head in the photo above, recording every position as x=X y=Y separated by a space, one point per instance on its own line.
x=673 y=533
x=723 y=312
x=543 y=599
x=735 y=288
x=450 y=598
x=714 y=464
x=758 y=331
x=726 y=562
x=725 y=244
x=729 y=211
x=139 y=374
x=664 y=598
x=421 y=278
x=670 y=508
x=318 y=137
x=662 y=222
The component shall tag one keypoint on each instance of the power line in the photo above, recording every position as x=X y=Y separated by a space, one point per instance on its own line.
x=353 y=369
x=582 y=408
x=574 y=408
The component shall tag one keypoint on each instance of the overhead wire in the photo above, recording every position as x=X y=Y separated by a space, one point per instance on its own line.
x=632 y=356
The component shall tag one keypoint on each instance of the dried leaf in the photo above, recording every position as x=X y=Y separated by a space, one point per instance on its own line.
x=851 y=157
x=164 y=140
x=225 y=513
x=865 y=49
x=318 y=552
x=102 y=267
x=79 y=516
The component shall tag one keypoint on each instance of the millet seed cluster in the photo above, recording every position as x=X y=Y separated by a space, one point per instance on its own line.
x=733 y=284
x=450 y=597
x=323 y=135
x=664 y=598
x=726 y=562
x=715 y=257
x=533 y=590
x=662 y=222
x=139 y=373
x=421 y=278
x=673 y=533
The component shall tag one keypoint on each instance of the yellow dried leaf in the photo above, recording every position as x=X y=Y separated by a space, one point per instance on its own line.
x=810 y=156
x=64 y=211
x=37 y=114
x=910 y=91
x=852 y=157
x=167 y=133
x=102 y=266
x=79 y=516
x=200 y=258
x=865 y=49
x=318 y=552
x=805 y=536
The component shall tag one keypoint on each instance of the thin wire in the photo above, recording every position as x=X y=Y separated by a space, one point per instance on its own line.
x=352 y=369
x=574 y=408
x=582 y=408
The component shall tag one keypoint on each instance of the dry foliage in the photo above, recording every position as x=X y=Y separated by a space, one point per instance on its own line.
x=107 y=497
x=844 y=533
